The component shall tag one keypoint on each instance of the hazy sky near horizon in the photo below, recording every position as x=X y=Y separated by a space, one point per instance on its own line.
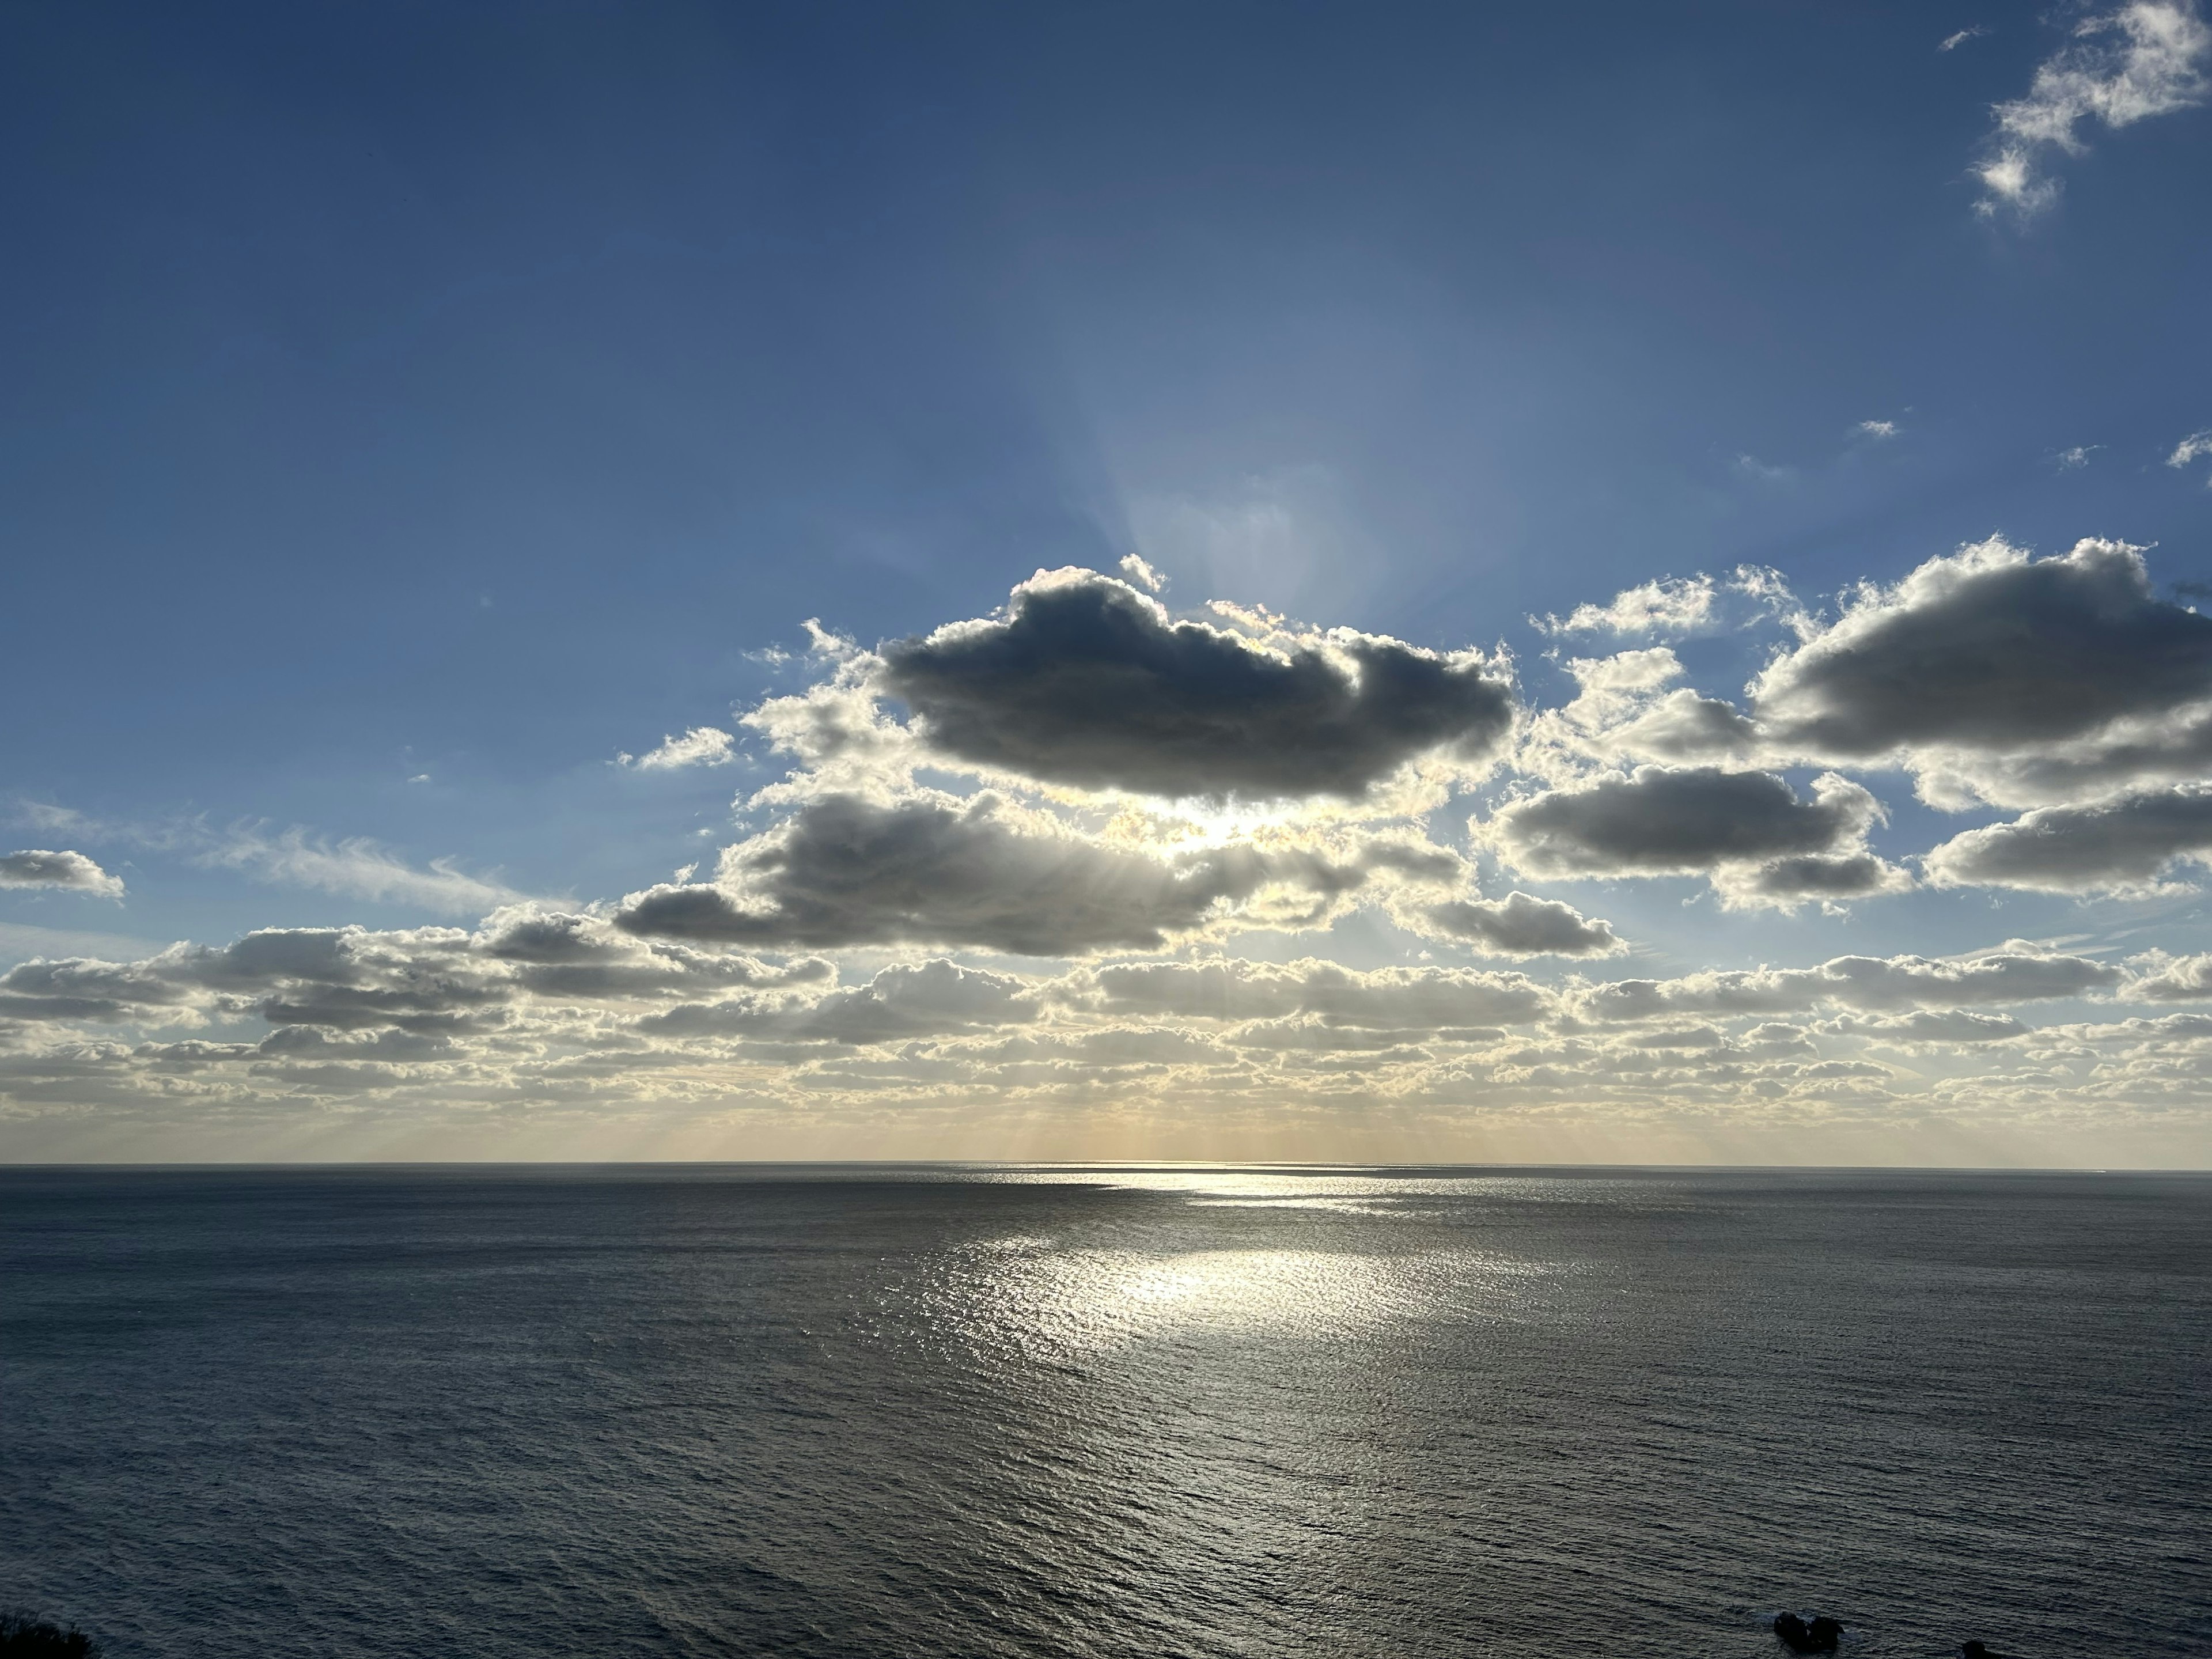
x=1401 y=582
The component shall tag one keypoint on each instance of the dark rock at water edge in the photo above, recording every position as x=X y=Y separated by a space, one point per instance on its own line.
x=22 y=1636
x=1803 y=1636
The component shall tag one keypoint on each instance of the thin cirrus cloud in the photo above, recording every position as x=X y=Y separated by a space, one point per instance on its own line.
x=2196 y=446
x=2145 y=59
x=71 y=871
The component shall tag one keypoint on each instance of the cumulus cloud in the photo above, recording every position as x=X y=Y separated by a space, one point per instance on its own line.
x=1085 y=681
x=2161 y=977
x=1750 y=830
x=702 y=745
x=2145 y=59
x=1519 y=925
x=902 y=1002
x=1384 y=999
x=1998 y=675
x=34 y=867
x=1867 y=983
x=845 y=870
x=2121 y=845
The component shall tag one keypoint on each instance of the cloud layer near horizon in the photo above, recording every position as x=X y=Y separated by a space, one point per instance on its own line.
x=1032 y=859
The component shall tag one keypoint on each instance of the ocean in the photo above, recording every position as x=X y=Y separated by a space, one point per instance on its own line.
x=553 y=1412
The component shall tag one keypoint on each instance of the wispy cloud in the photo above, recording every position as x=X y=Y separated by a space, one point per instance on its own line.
x=2196 y=446
x=1953 y=42
x=2147 y=58
x=357 y=867
x=2072 y=460
x=702 y=745
x=1876 y=428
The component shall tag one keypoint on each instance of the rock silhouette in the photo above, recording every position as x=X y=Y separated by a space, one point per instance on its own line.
x=1979 y=1650
x=22 y=1636
x=1819 y=1635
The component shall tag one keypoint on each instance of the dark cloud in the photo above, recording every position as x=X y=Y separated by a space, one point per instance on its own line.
x=1852 y=875
x=845 y=870
x=1085 y=681
x=1666 y=821
x=1990 y=650
x=2111 y=845
x=35 y=867
x=1522 y=926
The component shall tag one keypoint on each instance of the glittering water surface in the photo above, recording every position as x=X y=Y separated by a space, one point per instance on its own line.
x=1006 y=1412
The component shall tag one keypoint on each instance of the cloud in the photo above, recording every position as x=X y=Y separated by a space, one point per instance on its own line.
x=34 y=867
x=1384 y=999
x=1684 y=604
x=1953 y=42
x=1521 y=925
x=1930 y=1026
x=1749 y=830
x=1868 y=983
x=1134 y=566
x=901 y=1003
x=1673 y=605
x=1876 y=429
x=702 y=745
x=2074 y=459
x=845 y=870
x=2161 y=977
x=355 y=866
x=2123 y=845
x=2195 y=447
x=2145 y=59
x=1083 y=680
x=1998 y=675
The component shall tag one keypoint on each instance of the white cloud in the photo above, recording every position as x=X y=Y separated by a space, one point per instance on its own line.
x=702 y=745
x=73 y=872
x=2195 y=447
x=2072 y=460
x=1682 y=604
x=1953 y=42
x=2145 y=59
x=1134 y=566
x=1877 y=428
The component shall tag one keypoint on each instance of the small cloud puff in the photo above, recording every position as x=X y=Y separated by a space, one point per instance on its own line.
x=1877 y=428
x=702 y=745
x=1953 y=42
x=2195 y=447
x=74 y=871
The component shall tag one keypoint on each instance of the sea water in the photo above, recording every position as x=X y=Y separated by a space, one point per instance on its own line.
x=547 y=1412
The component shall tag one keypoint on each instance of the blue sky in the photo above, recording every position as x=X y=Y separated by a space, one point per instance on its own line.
x=409 y=409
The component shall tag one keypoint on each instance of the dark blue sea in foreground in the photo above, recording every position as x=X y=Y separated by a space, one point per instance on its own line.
x=546 y=1413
